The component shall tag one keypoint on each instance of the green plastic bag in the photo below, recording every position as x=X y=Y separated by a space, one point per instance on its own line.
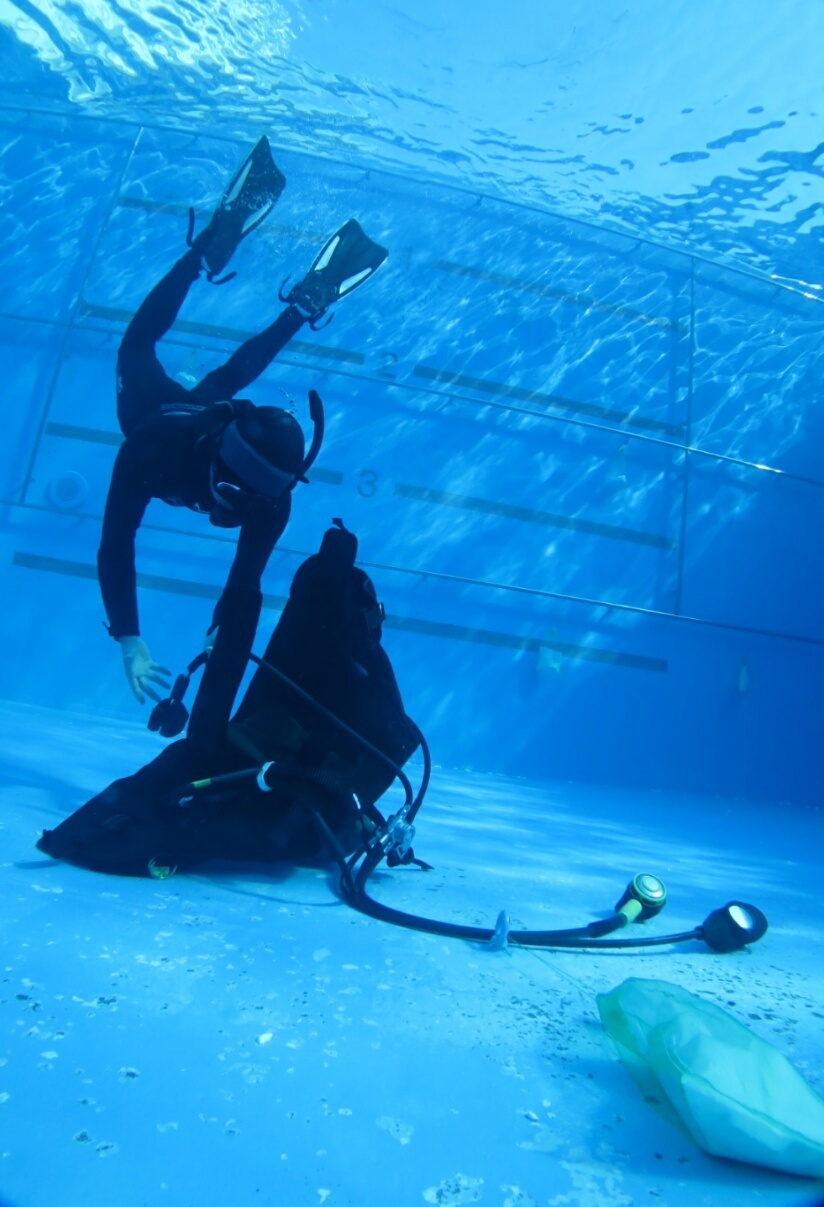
x=735 y=1094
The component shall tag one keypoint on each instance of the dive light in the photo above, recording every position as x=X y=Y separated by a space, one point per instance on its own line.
x=733 y=927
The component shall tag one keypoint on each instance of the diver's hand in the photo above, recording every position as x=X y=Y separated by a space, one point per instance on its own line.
x=210 y=639
x=141 y=671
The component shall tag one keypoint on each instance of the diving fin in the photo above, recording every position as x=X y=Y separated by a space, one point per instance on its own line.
x=249 y=197
x=345 y=261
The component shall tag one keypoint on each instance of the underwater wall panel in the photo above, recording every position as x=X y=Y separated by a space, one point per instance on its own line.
x=774 y=579
x=758 y=368
x=31 y=353
x=58 y=181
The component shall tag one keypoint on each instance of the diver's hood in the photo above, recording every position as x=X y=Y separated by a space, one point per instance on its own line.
x=251 y=477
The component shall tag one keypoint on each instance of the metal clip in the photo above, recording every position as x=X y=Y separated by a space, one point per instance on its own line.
x=398 y=835
x=500 y=938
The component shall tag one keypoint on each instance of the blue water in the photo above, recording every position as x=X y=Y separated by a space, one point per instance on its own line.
x=697 y=122
x=574 y=421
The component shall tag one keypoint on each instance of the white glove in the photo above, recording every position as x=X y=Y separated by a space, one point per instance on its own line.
x=140 y=669
x=210 y=639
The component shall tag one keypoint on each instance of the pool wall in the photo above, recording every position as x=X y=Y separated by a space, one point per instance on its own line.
x=570 y=593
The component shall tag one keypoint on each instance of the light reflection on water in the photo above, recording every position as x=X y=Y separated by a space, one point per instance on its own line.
x=715 y=153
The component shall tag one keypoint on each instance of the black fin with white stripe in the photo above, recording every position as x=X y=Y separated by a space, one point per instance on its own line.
x=248 y=199
x=345 y=261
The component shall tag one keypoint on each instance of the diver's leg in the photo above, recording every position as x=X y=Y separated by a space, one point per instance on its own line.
x=345 y=261
x=143 y=385
x=250 y=359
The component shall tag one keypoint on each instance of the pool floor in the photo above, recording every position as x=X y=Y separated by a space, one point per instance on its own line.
x=240 y=1036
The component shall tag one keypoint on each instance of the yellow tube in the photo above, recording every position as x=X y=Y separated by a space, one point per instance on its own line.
x=631 y=909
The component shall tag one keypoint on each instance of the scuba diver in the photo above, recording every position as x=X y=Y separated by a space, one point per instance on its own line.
x=204 y=448
x=283 y=749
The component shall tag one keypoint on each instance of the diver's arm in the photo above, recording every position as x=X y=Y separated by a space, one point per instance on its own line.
x=125 y=506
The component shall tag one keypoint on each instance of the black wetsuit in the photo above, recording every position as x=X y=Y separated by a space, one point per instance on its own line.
x=170 y=442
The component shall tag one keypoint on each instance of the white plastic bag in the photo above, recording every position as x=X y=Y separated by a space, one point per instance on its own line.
x=734 y=1093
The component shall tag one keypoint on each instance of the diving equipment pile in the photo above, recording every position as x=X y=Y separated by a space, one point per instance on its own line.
x=319 y=737
x=315 y=742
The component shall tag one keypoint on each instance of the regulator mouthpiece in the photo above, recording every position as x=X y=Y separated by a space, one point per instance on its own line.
x=169 y=716
x=644 y=897
x=733 y=927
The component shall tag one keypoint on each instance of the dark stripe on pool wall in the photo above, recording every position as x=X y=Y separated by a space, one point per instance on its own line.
x=509 y=511
x=586 y=653
x=537 y=397
x=92 y=435
x=235 y=335
x=404 y=624
x=149 y=582
x=180 y=210
x=331 y=477
x=562 y=295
